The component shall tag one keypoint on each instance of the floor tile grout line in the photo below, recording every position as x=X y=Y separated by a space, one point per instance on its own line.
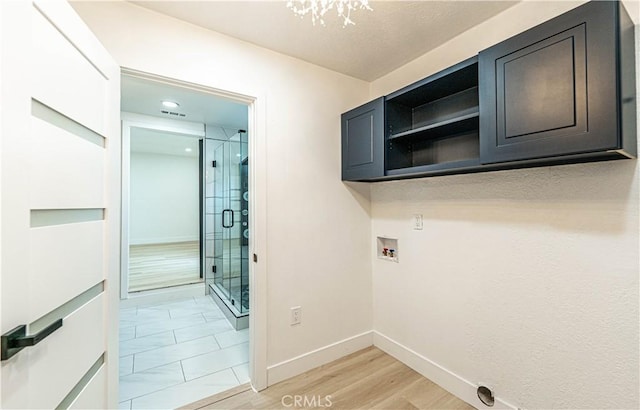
x=177 y=328
x=174 y=320
x=204 y=309
x=148 y=350
x=152 y=392
x=183 y=375
x=217 y=371
x=201 y=337
x=173 y=361
x=235 y=375
x=184 y=382
x=175 y=338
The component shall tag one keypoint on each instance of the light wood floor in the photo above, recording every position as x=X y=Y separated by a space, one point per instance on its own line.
x=163 y=265
x=368 y=379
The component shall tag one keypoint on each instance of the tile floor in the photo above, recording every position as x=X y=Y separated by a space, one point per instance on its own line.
x=175 y=353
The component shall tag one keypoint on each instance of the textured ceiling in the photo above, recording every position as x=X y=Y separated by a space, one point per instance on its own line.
x=391 y=35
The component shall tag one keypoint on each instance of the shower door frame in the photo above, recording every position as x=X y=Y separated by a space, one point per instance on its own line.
x=219 y=279
x=256 y=105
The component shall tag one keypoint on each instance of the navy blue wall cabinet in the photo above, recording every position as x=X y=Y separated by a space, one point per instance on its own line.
x=564 y=87
x=363 y=142
x=561 y=92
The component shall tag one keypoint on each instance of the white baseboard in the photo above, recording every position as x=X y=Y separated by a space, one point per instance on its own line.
x=168 y=239
x=300 y=364
x=453 y=383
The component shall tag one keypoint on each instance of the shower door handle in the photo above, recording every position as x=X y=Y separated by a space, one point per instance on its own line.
x=224 y=213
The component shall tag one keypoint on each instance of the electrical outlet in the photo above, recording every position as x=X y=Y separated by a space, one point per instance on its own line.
x=417 y=222
x=296 y=315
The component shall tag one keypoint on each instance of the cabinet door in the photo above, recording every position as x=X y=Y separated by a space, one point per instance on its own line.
x=552 y=90
x=363 y=142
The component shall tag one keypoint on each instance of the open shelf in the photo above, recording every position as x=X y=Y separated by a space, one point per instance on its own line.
x=420 y=151
x=468 y=165
x=433 y=125
x=465 y=122
x=403 y=118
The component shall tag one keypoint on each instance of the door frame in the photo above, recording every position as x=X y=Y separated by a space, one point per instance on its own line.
x=257 y=209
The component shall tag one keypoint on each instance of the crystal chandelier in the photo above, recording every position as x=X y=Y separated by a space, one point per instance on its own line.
x=318 y=8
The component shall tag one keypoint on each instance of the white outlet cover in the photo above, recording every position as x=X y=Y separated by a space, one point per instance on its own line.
x=296 y=315
x=417 y=222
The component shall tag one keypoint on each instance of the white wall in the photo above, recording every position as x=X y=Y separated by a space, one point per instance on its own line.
x=164 y=197
x=525 y=280
x=318 y=228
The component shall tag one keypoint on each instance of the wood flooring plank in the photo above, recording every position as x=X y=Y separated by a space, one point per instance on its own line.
x=218 y=397
x=367 y=379
x=163 y=265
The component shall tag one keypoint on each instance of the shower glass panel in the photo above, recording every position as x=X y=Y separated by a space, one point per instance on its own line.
x=227 y=219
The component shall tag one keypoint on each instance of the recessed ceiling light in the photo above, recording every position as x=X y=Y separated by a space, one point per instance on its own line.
x=188 y=149
x=170 y=104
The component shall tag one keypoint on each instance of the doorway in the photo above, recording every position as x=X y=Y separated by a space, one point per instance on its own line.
x=177 y=344
x=164 y=206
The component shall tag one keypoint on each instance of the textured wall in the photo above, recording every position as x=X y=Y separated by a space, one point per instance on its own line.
x=526 y=280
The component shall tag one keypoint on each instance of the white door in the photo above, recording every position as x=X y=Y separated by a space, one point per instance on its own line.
x=59 y=209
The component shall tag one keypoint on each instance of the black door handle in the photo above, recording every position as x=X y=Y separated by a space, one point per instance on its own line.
x=15 y=340
x=232 y=218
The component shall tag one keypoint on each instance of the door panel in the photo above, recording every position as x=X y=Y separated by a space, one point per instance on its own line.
x=59 y=362
x=552 y=90
x=67 y=169
x=62 y=77
x=545 y=88
x=70 y=258
x=91 y=396
x=59 y=215
x=363 y=141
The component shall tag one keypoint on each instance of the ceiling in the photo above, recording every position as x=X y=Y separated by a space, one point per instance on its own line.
x=144 y=97
x=391 y=35
x=158 y=142
x=222 y=117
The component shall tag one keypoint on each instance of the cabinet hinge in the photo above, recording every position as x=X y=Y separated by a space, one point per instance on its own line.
x=213 y=269
x=213 y=164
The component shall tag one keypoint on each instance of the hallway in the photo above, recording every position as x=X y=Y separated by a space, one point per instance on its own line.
x=177 y=352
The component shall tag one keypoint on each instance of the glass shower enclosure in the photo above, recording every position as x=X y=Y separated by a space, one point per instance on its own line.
x=226 y=253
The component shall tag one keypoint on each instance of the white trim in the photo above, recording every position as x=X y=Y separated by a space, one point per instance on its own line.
x=318 y=357
x=448 y=380
x=125 y=164
x=229 y=95
x=258 y=275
